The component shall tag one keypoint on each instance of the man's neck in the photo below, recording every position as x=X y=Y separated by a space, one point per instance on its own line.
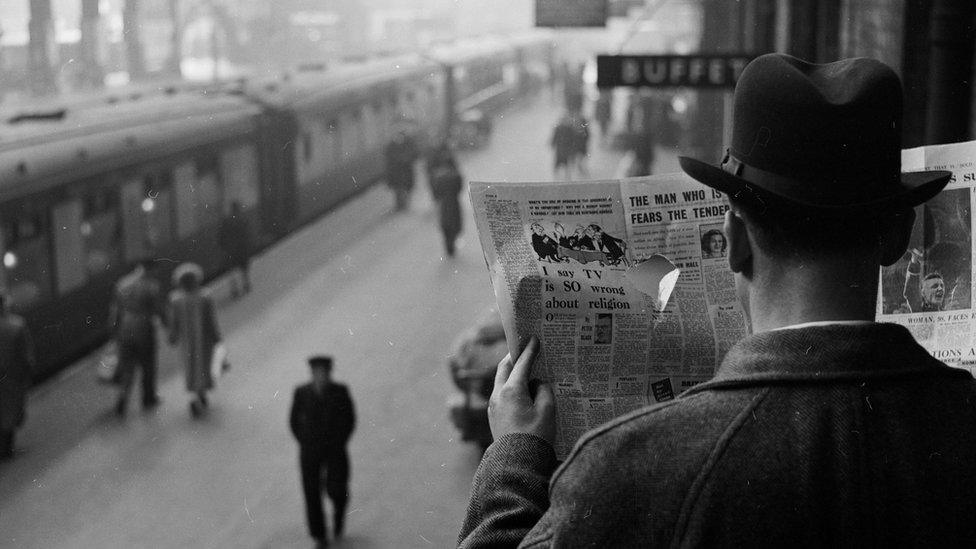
x=812 y=293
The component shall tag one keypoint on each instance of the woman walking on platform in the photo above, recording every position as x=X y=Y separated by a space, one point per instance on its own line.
x=193 y=325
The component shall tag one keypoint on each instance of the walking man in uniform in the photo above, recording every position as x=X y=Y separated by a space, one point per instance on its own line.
x=16 y=361
x=322 y=420
x=138 y=302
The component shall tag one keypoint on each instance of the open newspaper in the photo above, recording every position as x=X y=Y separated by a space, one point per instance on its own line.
x=626 y=284
x=930 y=289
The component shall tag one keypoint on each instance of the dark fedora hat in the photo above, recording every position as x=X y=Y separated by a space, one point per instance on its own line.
x=822 y=137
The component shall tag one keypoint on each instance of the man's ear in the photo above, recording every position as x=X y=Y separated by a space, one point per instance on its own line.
x=895 y=239
x=740 y=245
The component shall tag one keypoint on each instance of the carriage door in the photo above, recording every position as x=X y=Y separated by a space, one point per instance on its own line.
x=69 y=245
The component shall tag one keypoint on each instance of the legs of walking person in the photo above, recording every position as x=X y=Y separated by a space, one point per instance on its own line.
x=199 y=404
x=148 y=363
x=126 y=376
x=337 y=488
x=311 y=466
x=449 y=243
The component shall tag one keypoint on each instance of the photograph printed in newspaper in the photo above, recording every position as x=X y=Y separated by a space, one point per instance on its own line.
x=929 y=290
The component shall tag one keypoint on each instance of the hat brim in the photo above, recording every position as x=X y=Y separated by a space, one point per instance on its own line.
x=915 y=188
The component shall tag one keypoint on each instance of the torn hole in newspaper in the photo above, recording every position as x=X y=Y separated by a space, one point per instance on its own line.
x=656 y=277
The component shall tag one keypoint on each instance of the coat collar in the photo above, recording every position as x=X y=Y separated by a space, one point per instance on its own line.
x=826 y=353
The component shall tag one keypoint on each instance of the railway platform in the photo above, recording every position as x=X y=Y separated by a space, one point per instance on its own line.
x=366 y=285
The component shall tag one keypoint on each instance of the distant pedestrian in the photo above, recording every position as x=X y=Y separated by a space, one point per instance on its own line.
x=322 y=419
x=401 y=153
x=603 y=112
x=16 y=361
x=642 y=146
x=563 y=142
x=235 y=242
x=445 y=185
x=573 y=87
x=136 y=306
x=581 y=144
x=193 y=325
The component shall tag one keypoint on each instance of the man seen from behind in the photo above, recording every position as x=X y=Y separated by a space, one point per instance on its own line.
x=823 y=427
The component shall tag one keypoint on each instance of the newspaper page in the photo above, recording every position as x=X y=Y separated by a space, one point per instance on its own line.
x=625 y=283
x=929 y=290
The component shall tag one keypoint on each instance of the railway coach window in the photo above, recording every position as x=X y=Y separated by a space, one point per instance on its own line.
x=239 y=167
x=101 y=231
x=197 y=187
x=146 y=214
x=27 y=256
x=370 y=122
x=69 y=245
x=351 y=135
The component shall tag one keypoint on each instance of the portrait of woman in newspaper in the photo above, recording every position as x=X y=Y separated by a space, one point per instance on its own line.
x=712 y=243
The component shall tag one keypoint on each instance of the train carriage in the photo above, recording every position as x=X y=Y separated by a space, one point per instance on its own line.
x=86 y=193
x=333 y=126
x=90 y=187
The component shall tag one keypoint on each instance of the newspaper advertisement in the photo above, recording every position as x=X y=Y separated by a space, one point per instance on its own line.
x=929 y=290
x=625 y=283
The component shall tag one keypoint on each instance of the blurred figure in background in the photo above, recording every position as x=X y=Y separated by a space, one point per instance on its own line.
x=603 y=112
x=138 y=302
x=642 y=146
x=193 y=325
x=581 y=144
x=16 y=361
x=235 y=241
x=322 y=419
x=445 y=186
x=563 y=142
x=401 y=153
x=573 y=87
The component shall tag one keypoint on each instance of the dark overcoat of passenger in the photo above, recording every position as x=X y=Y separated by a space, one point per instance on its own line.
x=446 y=183
x=16 y=360
x=322 y=424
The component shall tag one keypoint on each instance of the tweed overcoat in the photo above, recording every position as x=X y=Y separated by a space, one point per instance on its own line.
x=849 y=436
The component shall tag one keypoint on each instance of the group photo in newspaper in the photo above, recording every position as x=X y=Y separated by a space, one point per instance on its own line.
x=627 y=285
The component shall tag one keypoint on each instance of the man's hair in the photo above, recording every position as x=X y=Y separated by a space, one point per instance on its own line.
x=783 y=231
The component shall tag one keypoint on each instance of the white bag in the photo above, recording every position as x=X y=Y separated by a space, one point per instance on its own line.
x=218 y=361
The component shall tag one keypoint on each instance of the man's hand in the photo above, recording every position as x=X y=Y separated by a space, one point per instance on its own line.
x=512 y=408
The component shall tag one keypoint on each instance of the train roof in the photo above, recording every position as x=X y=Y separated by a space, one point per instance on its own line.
x=46 y=147
x=307 y=88
x=466 y=51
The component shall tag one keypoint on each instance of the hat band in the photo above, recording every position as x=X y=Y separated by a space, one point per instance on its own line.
x=760 y=177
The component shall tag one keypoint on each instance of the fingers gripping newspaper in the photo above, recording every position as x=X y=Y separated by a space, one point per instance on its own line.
x=626 y=284
x=929 y=290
